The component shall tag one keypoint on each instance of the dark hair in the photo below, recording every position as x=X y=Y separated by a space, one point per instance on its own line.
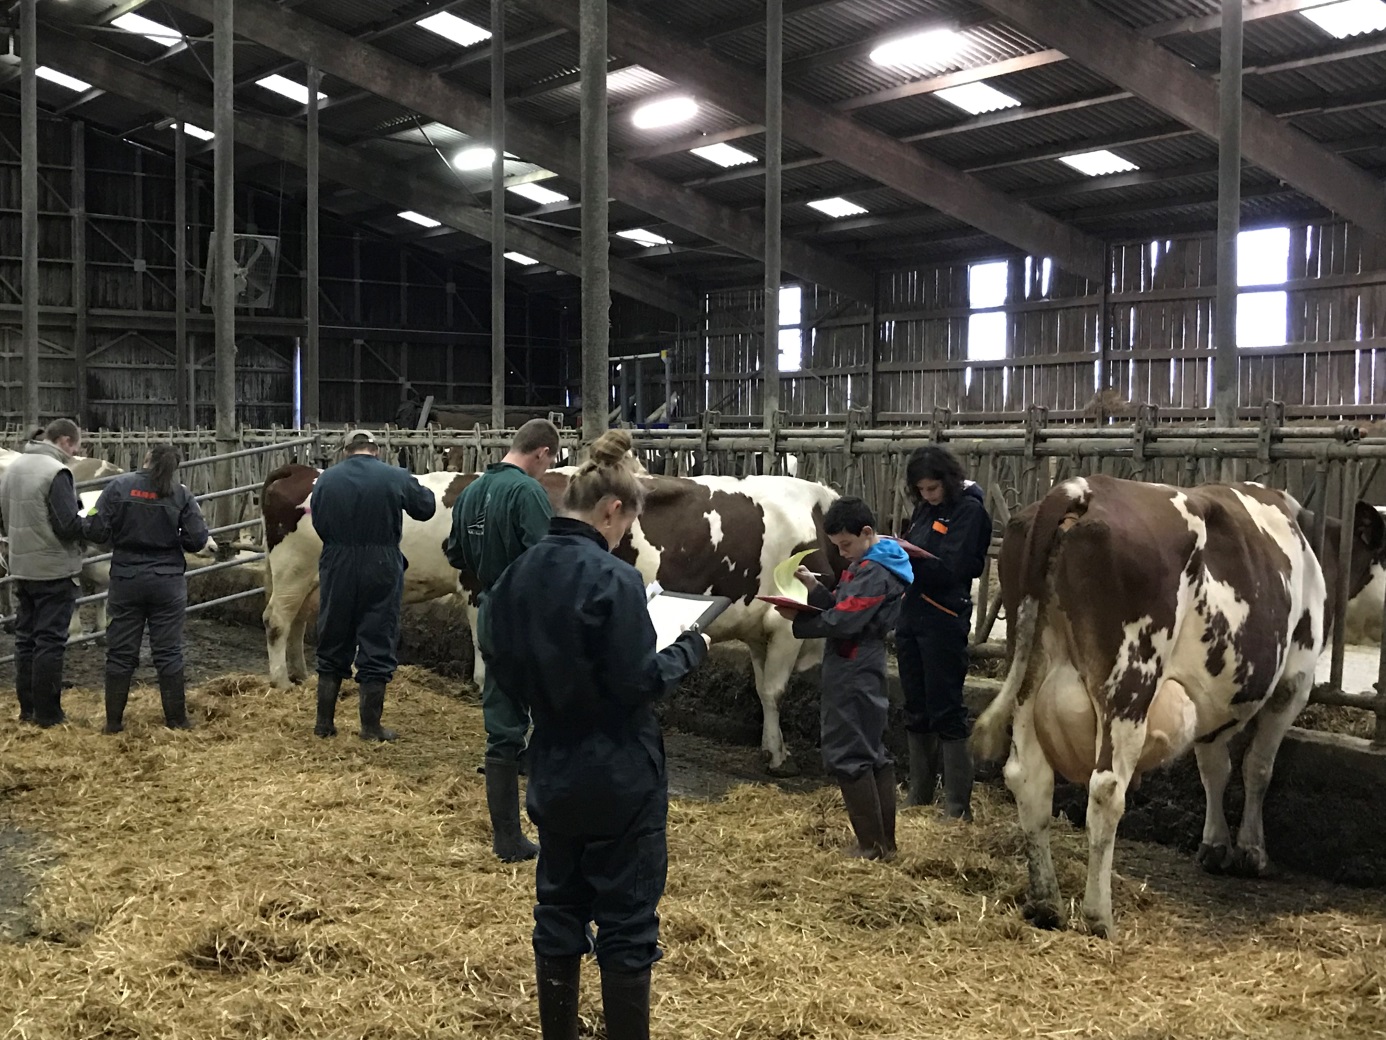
x=850 y=515
x=60 y=428
x=934 y=462
x=164 y=461
x=605 y=474
x=536 y=434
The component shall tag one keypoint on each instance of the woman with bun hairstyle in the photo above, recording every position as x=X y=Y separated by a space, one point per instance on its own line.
x=569 y=633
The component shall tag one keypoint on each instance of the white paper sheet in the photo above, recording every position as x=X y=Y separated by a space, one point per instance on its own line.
x=671 y=615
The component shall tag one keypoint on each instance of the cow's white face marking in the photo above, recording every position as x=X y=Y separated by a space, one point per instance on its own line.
x=1077 y=488
x=714 y=526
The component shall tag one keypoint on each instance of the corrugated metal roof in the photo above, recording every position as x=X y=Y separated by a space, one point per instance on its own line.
x=1336 y=87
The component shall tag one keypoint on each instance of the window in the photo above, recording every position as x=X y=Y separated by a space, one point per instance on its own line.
x=791 y=335
x=987 y=288
x=1263 y=257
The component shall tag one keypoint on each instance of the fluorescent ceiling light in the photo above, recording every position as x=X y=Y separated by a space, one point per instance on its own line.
x=148 y=28
x=420 y=219
x=521 y=259
x=193 y=130
x=288 y=88
x=723 y=155
x=977 y=98
x=1349 y=18
x=474 y=158
x=62 y=79
x=836 y=207
x=1099 y=163
x=458 y=30
x=538 y=193
x=922 y=49
x=645 y=238
x=665 y=112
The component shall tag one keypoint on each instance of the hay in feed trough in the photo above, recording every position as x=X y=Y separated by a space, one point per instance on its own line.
x=249 y=880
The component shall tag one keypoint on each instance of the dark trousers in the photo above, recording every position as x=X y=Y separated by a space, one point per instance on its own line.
x=615 y=883
x=156 y=601
x=41 y=622
x=360 y=589
x=507 y=721
x=853 y=711
x=931 y=651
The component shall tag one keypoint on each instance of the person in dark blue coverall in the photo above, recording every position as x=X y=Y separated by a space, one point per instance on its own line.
x=150 y=520
x=568 y=633
x=357 y=507
x=950 y=521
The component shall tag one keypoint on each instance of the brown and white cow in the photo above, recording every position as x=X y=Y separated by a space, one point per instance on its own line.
x=709 y=535
x=1150 y=619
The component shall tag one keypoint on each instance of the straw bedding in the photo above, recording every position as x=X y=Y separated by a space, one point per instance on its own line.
x=248 y=880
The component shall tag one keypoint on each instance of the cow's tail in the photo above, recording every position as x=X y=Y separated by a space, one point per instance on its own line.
x=1057 y=511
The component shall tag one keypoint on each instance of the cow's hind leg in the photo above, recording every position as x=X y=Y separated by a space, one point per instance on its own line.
x=1272 y=722
x=1031 y=780
x=1214 y=769
x=297 y=663
x=1123 y=742
x=773 y=664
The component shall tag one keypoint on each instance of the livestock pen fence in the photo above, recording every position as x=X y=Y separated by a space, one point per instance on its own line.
x=1327 y=468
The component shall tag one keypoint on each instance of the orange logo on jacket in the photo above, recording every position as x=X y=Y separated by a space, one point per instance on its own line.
x=140 y=493
x=940 y=527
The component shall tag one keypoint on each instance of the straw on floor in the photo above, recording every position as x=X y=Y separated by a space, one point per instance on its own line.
x=249 y=880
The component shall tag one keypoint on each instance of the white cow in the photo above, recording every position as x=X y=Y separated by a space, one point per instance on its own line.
x=717 y=535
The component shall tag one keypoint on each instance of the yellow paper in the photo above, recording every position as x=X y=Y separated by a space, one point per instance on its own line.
x=785 y=583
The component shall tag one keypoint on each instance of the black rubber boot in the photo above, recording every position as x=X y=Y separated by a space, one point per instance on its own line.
x=372 y=706
x=508 y=841
x=864 y=811
x=626 y=1004
x=957 y=780
x=329 y=688
x=558 y=979
x=885 y=795
x=926 y=763
x=47 y=693
x=173 y=695
x=24 y=689
x=117 y=694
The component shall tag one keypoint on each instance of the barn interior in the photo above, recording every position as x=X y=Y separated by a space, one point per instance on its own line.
x=1144 y=238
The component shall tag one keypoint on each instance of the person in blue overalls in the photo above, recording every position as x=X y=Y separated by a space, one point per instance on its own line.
x=950 y=522
x=568 y=635
x=358 y=508
x=150 y=520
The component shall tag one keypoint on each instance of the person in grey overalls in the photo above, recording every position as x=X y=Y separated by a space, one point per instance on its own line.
x=150 y=520
x=38 y=510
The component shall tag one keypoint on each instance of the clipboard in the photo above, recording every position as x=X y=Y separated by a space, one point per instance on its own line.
x=674 y=612
x=790 y=603
x=913 y=551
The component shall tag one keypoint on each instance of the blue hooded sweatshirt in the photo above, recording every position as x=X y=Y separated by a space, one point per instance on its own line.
x=893 y=558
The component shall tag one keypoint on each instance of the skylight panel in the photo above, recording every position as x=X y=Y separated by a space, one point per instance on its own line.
x=538 y=193
x=458 y=30
x=288 y=88
x=1099 y=163
x=923 y=49
x=645 y=238
x=193 y=130
x=1349 y=18
x=521 y=259
x=837 y=207
x=469 y=159
x=977 y=98
x=62 y=79
x=723 y=155
x=665 y=112
x=420 y=219
x=148 y=28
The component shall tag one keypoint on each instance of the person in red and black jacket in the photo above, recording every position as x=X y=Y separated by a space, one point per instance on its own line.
x=855 y=618
x=951 y=524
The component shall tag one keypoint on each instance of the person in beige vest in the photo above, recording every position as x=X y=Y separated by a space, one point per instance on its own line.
x=39 y=514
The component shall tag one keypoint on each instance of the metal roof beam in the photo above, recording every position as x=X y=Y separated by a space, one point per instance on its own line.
x=428 y=94
x=281 y=140
x=1088 y=35
x=891 y=162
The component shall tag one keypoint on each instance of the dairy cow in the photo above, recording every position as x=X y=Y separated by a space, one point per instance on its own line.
x=1150 y=619
x=712 y=535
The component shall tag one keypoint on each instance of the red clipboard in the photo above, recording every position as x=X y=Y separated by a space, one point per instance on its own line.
x=792 y=604
x=913 y=551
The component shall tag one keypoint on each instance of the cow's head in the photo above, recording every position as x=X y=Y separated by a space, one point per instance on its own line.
x=1368 y=549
